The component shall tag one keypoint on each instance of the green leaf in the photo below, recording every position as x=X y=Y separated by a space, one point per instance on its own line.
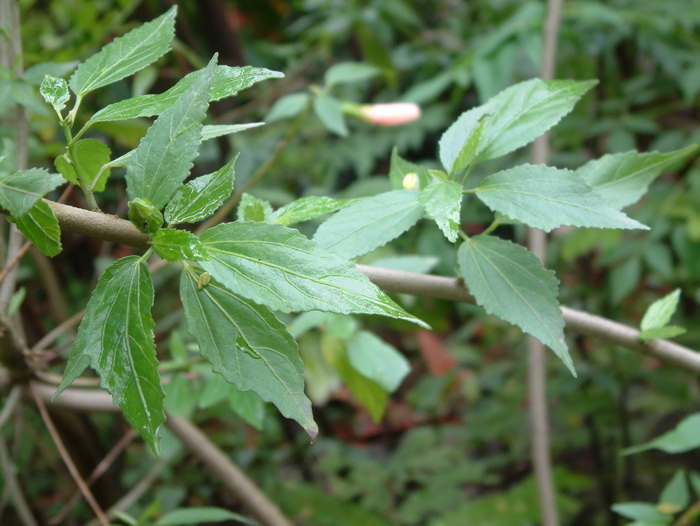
x=144 y=215
x=280 y=268
x=227 y=82
x=675 y=495
x=442 y=201
x=469 y=151
x=247 y=345
x=87 y=157
x=401 y=168
x=116 y=339
x=509 y=282
x=623 y=178
x=20 y=191
x=516 y=116
x=287 y=107
x=55 y=91
x=164 y=156
x=307 y=208
x=684 y=437
x=16 y=301
x=213 y=131
x=247 y=404
x=175 y=245
x=330 y=111
x=40 y=226
x=668 y=331
x=369 y=223
x=546 y=198
x=659 y=313
x=368 y=392
x=253 y=209
x=125 y=55
x=202 y=196
x=641 y=511
x=377 y=360
x=200 y=514
x=347 y=72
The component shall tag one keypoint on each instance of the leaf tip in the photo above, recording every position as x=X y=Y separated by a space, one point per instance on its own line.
x=312 y=431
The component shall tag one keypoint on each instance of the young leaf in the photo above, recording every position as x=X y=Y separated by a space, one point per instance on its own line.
x=55 y=91
x=247 y=345
x=509 y=282
x=517 y=116
x=377 y=360
x=283 y=270
x=213 y=131
x=201 y=197
x=20 y=191
x=369 y=223
x=227 y=82
x=307 y=208
x=330 y=111
x=125 y=55
x=253 y=209
x=116 y=339
x=470 y=150
x=442 y=201
x=623 y=178
x=164 y=156
x=667 y=331
x=546 y=198
x=40 y=226
x=176 y=245
x=88 y=156
x=400 y=168
x=655 y=321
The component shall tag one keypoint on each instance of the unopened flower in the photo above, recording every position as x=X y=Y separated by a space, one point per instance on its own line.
x=391 y=114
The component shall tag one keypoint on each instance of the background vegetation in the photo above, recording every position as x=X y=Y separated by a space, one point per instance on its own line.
x=453 y=446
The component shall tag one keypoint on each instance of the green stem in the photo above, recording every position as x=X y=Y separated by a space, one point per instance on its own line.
x=146 y=255
x=87 y=190
x=493 y=226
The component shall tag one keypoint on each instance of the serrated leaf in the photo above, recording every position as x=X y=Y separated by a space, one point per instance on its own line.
x=400 y=168
x=442 y=201
x=668 y=331
x=253 y=209
x=213 y=131
x=89 y=156
x=40 y=226
x=116 y=339
x=470 y=150
x=176 y=245
x=20 y=191
x=287 y=107
x=307 y=208
x=283 y=270
x=163 y=159
x=199 y=514
x=623 y=178
x=375 y=359
x=226 y=82
x=546 y=198
x=659 y=313
x=516 y=116
x=202 y=196
x=330 y=112
x=346 y=72
x=247 y=345
x=55 y=91
x=369 y=223
x=125 y=55
x=684 y=437
x=510 y=282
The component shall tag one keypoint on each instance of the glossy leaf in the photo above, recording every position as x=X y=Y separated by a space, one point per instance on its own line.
x=175 y=245
x=202 y=196
x=125 y=55
x=226 y=82
x=163 y=159
x=40 y=226
x=377 y=360
x=369 y=223
x=442 y=201
x=307 y=208
x=509 y=282
x=144 y=215
x=20 y=191
x=253 y=209
x=283 y=270
x=546 y=198
x=330 y=111
x=55 y=91
x=247 y=345
x=116 y=339
x=623 y=178
x=516 y=116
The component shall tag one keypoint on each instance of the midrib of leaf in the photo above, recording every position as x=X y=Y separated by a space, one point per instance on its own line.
x=369 y=225
x=631 y=175
x=515 y=289
x=241 y=334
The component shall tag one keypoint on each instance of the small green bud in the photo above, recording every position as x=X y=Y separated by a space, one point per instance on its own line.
x=203 y=281
x=144 y=215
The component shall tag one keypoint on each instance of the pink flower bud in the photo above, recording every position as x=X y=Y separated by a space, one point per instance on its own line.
x=391 y=114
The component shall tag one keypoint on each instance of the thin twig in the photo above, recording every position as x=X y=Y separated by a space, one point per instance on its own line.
x=68 y=461
x=57 y=331
x=10 y=405
x=18 y=499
